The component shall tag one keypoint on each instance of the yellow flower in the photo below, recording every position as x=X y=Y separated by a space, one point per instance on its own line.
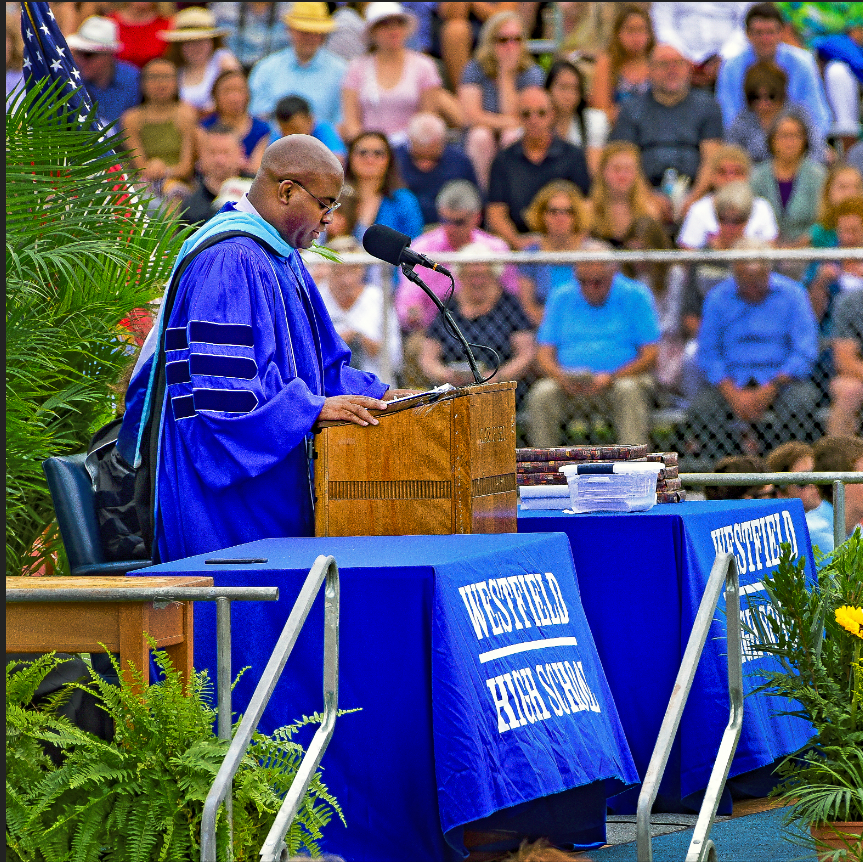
x=851 y=619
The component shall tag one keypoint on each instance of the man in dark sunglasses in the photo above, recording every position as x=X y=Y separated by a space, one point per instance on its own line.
x=520 y=170
x=460 y=208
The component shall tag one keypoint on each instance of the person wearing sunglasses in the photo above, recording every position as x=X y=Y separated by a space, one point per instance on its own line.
x=501 y=68
x=253 y=361
x=523 y=168
x=729 y=164
x=558 y=218
x=733 y=204
x=113 y=84
x=766 y=90
x=381 y=196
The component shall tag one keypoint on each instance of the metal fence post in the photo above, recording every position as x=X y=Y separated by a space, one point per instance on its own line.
x=223 y=672
x=838 y=513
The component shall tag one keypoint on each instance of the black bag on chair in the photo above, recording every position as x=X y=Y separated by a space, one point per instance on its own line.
x=125 y=494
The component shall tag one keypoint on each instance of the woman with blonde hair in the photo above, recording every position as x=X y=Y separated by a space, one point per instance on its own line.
x=728 y=164
x=620 y=193
x=843 y=181
x=500 y=68
x=558 y=217
x=621 y=72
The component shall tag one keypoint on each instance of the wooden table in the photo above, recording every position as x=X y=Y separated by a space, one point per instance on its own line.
x=74 y=627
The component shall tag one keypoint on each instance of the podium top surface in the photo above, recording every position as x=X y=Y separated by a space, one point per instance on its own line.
x=430 y=397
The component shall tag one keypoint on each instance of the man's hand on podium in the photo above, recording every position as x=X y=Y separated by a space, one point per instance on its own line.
x=351 y=408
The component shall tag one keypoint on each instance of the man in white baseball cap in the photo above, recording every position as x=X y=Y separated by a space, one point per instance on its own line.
x=111 y=83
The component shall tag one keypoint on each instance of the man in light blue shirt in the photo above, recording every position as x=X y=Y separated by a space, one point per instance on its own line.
x=757 y=345
x=305 y=69
x=764 y=30
x=597 y=345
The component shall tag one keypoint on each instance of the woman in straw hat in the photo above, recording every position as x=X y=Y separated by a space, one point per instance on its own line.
x=196 y=49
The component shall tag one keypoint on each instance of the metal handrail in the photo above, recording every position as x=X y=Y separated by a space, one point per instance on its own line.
x=146 y=594
x=324 y=568
x=701 y=848
x=837 y=479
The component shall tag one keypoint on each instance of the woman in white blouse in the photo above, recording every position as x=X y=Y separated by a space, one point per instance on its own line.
x=575 y=121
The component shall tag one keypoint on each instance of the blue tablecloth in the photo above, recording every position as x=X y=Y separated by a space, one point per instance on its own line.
x=641 y=577
x=483 y=699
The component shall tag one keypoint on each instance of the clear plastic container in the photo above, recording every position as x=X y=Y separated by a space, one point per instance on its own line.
x=632 y=489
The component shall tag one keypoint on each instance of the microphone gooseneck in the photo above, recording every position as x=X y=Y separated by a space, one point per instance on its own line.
x=391 y=246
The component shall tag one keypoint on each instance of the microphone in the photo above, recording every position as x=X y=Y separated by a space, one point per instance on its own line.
x=391 y=246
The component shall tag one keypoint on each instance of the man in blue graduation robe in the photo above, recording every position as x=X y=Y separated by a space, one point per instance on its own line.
x=252 y=362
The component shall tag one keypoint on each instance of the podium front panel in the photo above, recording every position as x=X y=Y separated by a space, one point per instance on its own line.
x=438 y=468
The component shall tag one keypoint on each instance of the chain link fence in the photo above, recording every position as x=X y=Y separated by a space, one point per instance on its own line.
x=685 y=417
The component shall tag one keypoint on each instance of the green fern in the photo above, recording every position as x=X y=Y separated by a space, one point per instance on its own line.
x=140 y=797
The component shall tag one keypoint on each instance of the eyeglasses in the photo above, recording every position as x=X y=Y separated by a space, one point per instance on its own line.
x=327 y=208
x=370 y=154
x=732 y=219
x=536 y=112
x=762 y=97
x=456 y=222
x=508 y=40
x=559 y=211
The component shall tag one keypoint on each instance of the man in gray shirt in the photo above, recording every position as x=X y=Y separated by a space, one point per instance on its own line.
x=674 y=126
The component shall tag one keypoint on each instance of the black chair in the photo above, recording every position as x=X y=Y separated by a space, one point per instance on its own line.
x=75 y=507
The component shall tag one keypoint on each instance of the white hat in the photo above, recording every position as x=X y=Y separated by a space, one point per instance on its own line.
x=97 y=35
x=377 y=12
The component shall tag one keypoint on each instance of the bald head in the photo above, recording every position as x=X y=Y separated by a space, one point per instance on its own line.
x=534 y=110
x=295 y=156
x=298 y=179
x=670 y=74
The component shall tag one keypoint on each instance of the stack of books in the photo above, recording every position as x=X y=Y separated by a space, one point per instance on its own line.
x=543 y=486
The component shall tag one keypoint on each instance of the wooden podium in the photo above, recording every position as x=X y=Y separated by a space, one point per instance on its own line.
x=434 y=465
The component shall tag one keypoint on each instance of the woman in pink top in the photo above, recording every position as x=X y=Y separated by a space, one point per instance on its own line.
x=385 y=87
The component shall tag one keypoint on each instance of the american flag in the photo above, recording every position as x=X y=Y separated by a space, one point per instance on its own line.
x=46 y=55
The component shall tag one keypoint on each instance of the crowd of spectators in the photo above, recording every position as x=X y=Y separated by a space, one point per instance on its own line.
x=645 y=126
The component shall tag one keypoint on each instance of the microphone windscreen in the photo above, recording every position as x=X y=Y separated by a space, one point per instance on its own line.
x=385 y=243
